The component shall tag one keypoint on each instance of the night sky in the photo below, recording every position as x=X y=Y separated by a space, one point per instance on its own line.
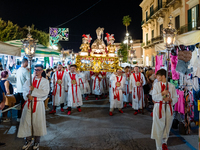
x=107 y=13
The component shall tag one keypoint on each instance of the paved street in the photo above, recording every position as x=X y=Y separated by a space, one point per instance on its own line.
x=94 y=129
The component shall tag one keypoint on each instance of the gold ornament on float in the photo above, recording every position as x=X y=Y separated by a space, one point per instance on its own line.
x=97 y=59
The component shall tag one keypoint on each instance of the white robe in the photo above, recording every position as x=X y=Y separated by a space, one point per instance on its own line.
x=159 y=130
x=82 y=82
x=39 y=118
x=136 y=103
x=87 y=85
x=77 y=101
x=114 y=103
x=108 y=75
x=57 y=99
x=98 y=88
x=127 y=96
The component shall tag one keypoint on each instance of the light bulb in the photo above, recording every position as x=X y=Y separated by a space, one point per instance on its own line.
x=169 y=40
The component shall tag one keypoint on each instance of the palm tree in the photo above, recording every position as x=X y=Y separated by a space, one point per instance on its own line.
x=126 y=21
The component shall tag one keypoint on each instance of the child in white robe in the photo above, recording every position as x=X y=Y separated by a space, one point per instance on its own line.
x=162 y=115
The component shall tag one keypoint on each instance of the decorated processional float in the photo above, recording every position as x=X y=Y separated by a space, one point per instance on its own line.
x=98 y=57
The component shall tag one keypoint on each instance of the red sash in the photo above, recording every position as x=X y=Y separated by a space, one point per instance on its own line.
x=116 y=91
x=59 y=77
x=66 y=70
x=73 y=77
x=138 y=79
x=161 y=102
x=81 y=81
x=35 y=98
x=97 y=77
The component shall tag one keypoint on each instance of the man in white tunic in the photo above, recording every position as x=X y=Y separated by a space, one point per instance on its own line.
x=97 y=86
x=117 y=89
x=162 y=117
x=40 y=90
x=82 y=82
x=126 y=95
x=58 y=89
x=87 y=85
x=73 y=89
x=137 y=81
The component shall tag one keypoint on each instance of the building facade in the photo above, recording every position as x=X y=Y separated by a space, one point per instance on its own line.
x=155 y=17
x=136 y=50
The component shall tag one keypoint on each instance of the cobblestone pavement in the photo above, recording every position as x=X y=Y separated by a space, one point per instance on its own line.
x=94 y=129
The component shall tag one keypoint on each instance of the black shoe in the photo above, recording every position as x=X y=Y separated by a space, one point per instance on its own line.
x=2 y=144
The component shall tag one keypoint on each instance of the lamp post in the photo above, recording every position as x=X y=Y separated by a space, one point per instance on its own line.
x=128 y=39
x=29 y=46
x=120 y=58
x=169 y=34
x=131 y=58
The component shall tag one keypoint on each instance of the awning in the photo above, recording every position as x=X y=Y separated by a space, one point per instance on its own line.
x=189 y=38
x=41 y=50
x=9 y=49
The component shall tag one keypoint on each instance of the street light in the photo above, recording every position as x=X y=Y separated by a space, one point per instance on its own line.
x=29 y=46
x=120 y=58
x=128 y=39
x=169 y=34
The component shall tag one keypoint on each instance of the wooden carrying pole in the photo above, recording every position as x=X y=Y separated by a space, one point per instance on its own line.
x=30 y=60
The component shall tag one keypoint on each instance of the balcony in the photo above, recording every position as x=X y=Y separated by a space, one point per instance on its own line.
x=153 y=41
x=189 y=27
x=155 y=13
x=172 y=2
x=158 y=10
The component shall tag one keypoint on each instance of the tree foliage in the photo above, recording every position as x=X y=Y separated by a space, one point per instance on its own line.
x=126 y=21
x=123 y=51
x=10 y=31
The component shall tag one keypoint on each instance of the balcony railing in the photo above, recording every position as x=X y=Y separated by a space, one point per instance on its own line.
x=189 y=27
x=156 y=9
x=157 y=39
x=170 y=2
x=154 y=41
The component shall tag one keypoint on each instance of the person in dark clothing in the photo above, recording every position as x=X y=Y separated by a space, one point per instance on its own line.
x=2 y=106
x=7 y=88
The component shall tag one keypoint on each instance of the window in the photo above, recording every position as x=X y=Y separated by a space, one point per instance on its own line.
x=146 y=15
x=151 y=10
x=177 y=22
x=194 y=17
x=161 y=30
x=152 y=34
x=146 y=38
